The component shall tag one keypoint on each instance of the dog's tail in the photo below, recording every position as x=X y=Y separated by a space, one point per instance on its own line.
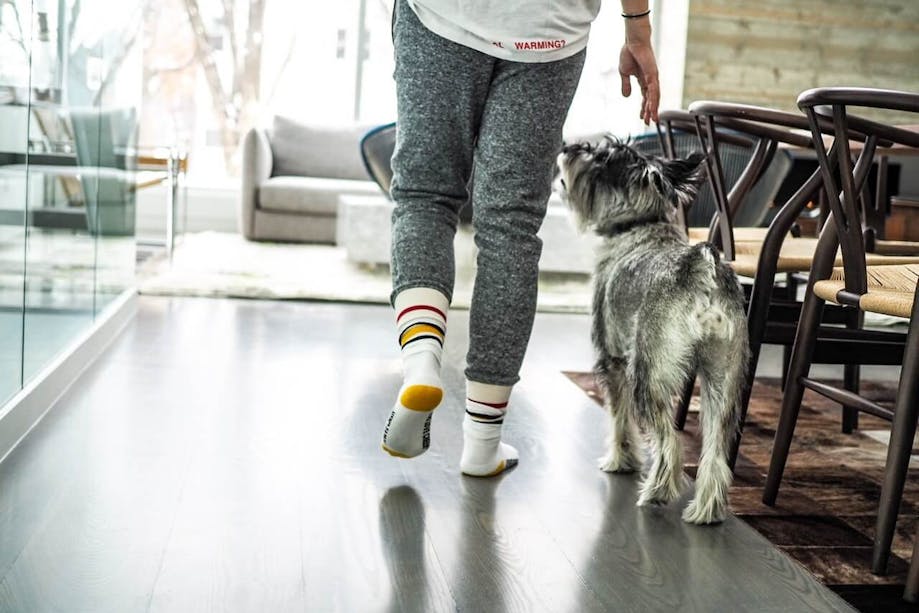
x=723 y=321
x=717 y=298
x=699 y=266
x=723 y=373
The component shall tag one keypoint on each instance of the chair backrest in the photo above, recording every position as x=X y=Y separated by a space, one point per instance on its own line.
x=767 y=128
x=844 y=180
x=106 y=139
x=316 y=150
x=700 y=212
x=677 y=137
x=377 y=147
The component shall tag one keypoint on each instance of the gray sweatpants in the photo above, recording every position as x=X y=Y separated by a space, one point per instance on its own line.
x=457 y=106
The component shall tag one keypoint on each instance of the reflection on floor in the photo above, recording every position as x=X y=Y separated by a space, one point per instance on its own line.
x=826 y=512
x=224 y=455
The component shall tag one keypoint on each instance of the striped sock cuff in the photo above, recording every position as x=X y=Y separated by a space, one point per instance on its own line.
x=419 y=322
x=486 y=412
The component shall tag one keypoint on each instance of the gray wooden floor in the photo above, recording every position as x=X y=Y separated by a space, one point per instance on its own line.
x=224 y=456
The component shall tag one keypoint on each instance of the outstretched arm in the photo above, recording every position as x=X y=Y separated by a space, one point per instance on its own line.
x=637 y=59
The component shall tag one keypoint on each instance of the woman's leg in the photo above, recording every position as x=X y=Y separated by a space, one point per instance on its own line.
x=441 y=90
x=519 y=139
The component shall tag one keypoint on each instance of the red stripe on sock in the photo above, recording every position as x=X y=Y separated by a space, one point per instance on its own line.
x=494 y=405
x=417 y=307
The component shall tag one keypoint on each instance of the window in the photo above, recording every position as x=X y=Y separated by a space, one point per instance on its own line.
x=210 y=74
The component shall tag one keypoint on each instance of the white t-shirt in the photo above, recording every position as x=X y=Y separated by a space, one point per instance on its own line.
x=518 y=30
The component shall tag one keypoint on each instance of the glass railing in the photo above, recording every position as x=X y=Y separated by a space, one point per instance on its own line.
x=70 y=74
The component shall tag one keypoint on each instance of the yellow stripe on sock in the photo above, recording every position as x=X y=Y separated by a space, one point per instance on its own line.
x=417 y=329
x=421 y=397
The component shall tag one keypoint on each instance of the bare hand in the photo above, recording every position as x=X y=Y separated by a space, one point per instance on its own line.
x=637 y=60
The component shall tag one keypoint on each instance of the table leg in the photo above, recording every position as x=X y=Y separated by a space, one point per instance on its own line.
x=171 y=167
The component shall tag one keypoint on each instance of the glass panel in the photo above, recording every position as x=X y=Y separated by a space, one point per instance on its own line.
x=63 y=150
x=115 y=131
x=15 y=41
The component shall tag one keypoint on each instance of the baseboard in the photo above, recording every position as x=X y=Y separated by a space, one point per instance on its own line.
x=26 y=409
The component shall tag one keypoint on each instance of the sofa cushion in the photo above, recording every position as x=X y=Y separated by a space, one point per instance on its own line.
x=311 y=195
x=317 y=151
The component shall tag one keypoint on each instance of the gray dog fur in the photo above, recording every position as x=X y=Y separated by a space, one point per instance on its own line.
x=663 y=310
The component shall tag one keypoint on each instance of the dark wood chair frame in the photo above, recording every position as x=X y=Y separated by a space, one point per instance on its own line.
x=763 y=151
x=674 y=120
x=772 y=315
x=845 y=230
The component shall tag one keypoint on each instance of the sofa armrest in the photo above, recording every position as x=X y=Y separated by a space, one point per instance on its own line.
x=256 y=168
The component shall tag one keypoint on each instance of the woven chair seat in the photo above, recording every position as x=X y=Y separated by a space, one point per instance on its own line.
x=890 y=289
x=797 y=255
x=699 y=235
x=884 y=247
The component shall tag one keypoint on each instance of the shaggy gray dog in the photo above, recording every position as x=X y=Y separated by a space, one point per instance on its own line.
x=662 y=311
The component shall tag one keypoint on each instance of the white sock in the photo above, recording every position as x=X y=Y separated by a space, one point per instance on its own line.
x=484 y=455
x=421 y=320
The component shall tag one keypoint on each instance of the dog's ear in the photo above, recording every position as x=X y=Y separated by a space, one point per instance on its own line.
x=684 y=176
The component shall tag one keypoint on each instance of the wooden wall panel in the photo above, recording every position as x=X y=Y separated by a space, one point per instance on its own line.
x=768 y=51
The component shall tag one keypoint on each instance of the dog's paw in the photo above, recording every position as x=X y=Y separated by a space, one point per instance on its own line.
x=705 y=512
x=659 y=494
x=619 y=463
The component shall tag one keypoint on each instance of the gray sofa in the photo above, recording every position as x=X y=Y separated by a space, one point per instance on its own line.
x=292 y=176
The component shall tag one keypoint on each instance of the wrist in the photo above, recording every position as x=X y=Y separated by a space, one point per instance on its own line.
x=638 y=32
x=635 y=7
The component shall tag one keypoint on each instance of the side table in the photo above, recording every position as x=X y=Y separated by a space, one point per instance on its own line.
x=174 y=162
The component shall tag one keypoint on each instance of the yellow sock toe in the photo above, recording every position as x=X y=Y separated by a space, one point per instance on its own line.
x=421 y=397
x=394 y=453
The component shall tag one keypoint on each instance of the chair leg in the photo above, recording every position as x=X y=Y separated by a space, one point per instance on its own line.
x=734 y=450
x=911 y=593
x=851 y=376
x=682 y=407
x=757 y=315
x=786 y=361
x=791 y=286
x=898 y=451
x=801 y=355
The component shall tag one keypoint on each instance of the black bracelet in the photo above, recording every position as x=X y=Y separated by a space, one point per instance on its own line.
x=636 y=15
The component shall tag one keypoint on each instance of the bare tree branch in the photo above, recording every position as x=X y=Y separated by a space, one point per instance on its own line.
x=72 y=22
x=234 y=102
x=158 y=69
x=284 y=64
x=229 y=16
x=124 y=49
x=205 y=52
x=249 y=85
x=252 y=61
x=19 y=40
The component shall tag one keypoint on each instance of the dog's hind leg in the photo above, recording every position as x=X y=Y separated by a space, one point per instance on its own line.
x=664 y=481
x=721 y=372
x=624 y=454
x=658 y=371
